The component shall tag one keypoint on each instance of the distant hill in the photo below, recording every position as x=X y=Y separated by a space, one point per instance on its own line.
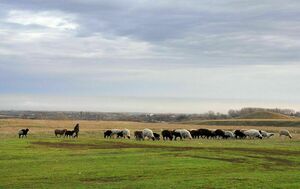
x=264 y=115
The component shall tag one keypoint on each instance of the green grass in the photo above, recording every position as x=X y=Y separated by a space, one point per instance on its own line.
x=264 y=115
x=92 y=162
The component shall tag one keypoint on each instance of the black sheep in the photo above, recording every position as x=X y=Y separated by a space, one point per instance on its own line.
x=194 y=133
x=176 y=134
x=120 y=134
x=23 y=132
x=239 y=134
x=69 y=134
x=156 y=136
x=219 y=133
x=167 y=135
x=139 y=135
x=206 y=133
x=107 y=134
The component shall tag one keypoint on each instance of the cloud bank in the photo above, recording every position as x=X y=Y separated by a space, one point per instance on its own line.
x=232 y=50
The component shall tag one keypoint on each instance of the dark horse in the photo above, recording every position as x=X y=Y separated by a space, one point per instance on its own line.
x=76 y=130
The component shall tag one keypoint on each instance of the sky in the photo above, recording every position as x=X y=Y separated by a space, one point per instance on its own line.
x=144 y=56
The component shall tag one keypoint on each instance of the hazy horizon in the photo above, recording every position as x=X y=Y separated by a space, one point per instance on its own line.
x=144 y=56
x=133 y=104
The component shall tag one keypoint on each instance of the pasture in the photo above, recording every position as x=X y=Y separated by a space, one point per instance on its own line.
x=90 y=161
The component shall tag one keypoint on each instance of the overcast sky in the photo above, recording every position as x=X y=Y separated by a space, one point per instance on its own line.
x=149 y=56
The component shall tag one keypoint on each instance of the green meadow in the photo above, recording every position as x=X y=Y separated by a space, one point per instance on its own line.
x=43 y=161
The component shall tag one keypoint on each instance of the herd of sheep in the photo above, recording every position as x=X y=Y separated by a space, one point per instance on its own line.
x=192 y=134
x=172 y=134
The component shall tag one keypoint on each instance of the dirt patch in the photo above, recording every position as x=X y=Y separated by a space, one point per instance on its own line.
x=280 y=161
x=262 y=151
x=105 y=145
x=110 y=179
x=116 y=145
x=230 y=160
x=103 y=180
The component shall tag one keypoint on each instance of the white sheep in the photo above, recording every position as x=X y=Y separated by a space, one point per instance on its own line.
x=184 y=133
x=229 y=134
x=253 y=133
x=148 y=133
x=266 y=134
x=126 y=133
x=285 y=132
x=115 y=132
x=120 y=133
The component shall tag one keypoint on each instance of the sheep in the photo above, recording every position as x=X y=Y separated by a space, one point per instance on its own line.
x=69 y=134
x=59 y=132
x=194 y=133
x=107 y=134
x=176 y=134
x=184 y=133
x=253 y=133
x=115 y=132
x=166 y=134
x=148 y=133
x=206 y=133
x=220 y=134
x=120 y=134
x=239 y=134
x=266 y=134
x=126 y=133
x=139 y=135
x=285 y=132
x=229 y=134
x=156 y=136
x=23 y=132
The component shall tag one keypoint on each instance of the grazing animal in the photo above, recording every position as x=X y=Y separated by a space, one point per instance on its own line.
x=138 y=135
x=206 y=133
x=183 y=133
x=23 y=132
x=166 y=134
x=76 y=130
x=148 y=133
x=176 y=134
x=239 y=134
x=156 y=136
x=115 y=132
x=120 y=134
x=253 y=133
x=126 y=133
x=285 y=132
x=229 y=134
x=266 y=134
x=107 y=134
x=220 y=134
x=59 y=132
x=195 y=133
x=69 y=134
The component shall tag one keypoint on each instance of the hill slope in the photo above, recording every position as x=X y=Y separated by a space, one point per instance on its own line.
x=264 y=115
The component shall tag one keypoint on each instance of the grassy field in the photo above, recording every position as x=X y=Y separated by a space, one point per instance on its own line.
x=43 y=161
